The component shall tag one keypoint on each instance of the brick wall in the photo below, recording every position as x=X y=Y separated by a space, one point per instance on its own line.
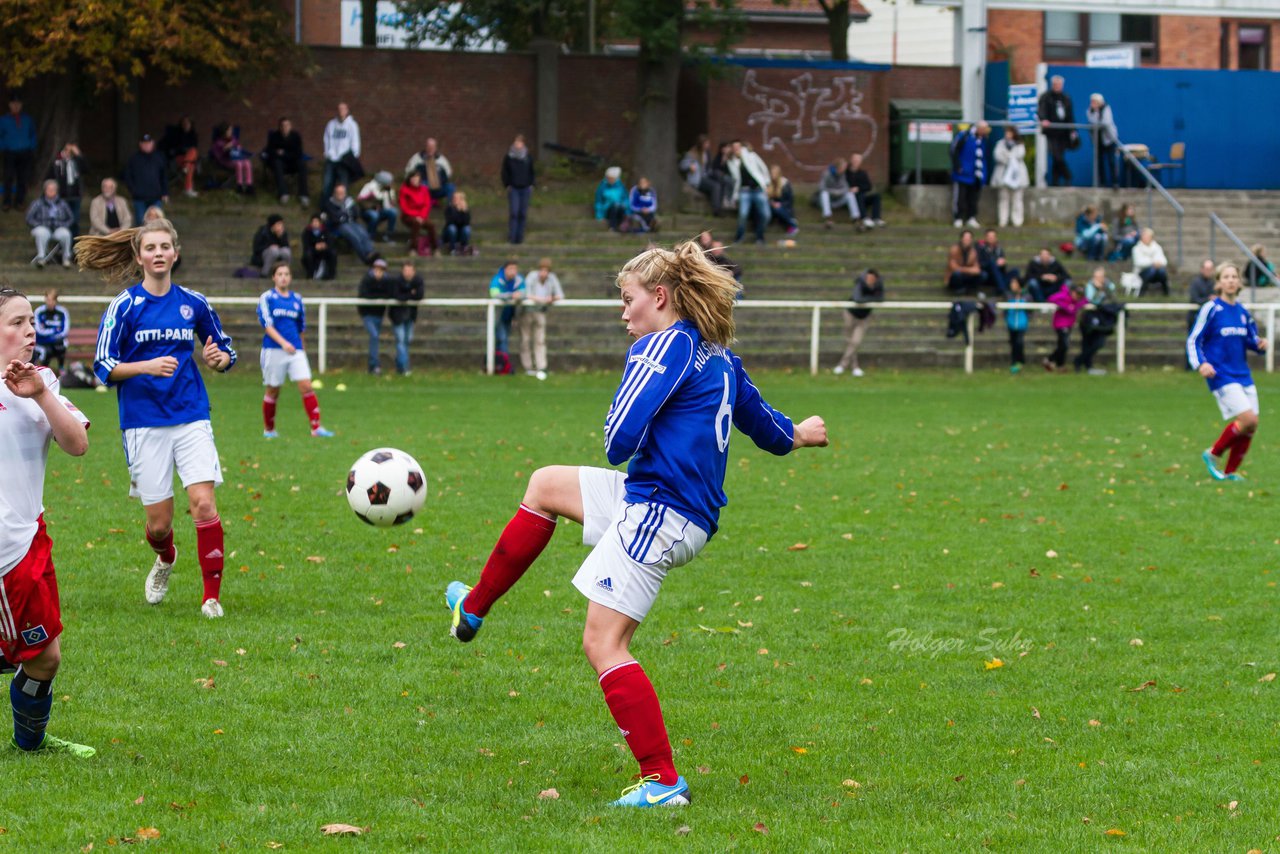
x=1018 y=37
x=1190 y=42
x=597 y=105
x=321 y=23
x=938 y=82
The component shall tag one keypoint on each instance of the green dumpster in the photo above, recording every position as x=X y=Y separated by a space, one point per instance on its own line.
x=931 y=123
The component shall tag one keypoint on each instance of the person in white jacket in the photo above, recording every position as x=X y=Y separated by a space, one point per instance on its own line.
x=1150 y=263
x=1011 y=177
x=341 y=137
x=751 y=185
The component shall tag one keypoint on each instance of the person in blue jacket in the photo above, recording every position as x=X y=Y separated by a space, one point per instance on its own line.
x=1017 y=320
x=611 y=198
x=968 y=173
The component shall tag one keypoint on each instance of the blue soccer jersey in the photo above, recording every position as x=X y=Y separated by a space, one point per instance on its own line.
x=671 y=416
x=286 y=314
x=1222 y=336
x=53 y=325
x=138 y=326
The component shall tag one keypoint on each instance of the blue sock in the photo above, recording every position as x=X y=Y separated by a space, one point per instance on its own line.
x=32 y=700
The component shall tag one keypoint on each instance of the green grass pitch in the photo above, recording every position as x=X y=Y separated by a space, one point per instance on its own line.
x=827 y=667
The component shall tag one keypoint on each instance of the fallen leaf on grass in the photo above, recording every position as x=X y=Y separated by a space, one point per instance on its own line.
x=725 y=630
x=1150 y=683
x=1136 y=642
x=273 y=845
x=148 y=833
x=704 y=769
x=316 y=559
x=683 y=830
x=759 y=827
x=1050 y=554
x=339 y=829
x=1095 y=722
x=204 y=682
x=744 y=779
x=1115 y=831
x=398 y=645
x=549 y=795
x=1270 y=677
x=762 y=651
x=218 y=662
x=1230 y=806
x=851 y=784
x=798 y=547
x=800 y=750
x=1035 y=713
x=993 y=664
x=139 y=800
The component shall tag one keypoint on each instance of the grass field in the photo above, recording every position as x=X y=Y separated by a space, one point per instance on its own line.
x=1062 y=525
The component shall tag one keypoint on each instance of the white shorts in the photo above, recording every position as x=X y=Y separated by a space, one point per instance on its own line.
x=635 y=545
x=277 y=365
x=152 y=453
x=1235 y=399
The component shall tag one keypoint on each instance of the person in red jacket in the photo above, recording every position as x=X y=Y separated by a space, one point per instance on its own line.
x=415 y=208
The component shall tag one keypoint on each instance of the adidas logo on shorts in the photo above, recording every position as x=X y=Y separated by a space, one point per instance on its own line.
x=605 y=584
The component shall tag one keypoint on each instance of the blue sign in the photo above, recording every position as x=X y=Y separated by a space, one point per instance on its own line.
x=1022 y=106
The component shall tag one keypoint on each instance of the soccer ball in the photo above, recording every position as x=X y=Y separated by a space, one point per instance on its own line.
x=386 y=487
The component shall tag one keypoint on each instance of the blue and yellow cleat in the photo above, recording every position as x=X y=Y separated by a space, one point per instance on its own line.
x=270 y=434
x=321 y=433
x=465 y=625
x=1212 y=465
x=1234 y=476
x=650 y=793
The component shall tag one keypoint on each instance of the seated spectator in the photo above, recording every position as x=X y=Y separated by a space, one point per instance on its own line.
x=53 y=326
x=834 y=192
x=49 y=217
x=697 y=167
x=1069 y=299
x=643 y=206
x=108 y=213
x=284 y=156
x=1125 y=235
x=457 y=225
x=611 y=198
x=1045 y=275
x=437 y=174
x=230 y=155
x=415 y=207
x=1150 y=263
x=270 y=244
x=860 y=182
x=782 y=200
x=378 y=204
x=996 y=271
x=342 y=217
x=1253 y=277
x=714 y=251
x=1099 y=288
x=722 y=193
x=964 y=270
x=181 y=145
x=319 y=258
x=68 y=170
x=1091 y=234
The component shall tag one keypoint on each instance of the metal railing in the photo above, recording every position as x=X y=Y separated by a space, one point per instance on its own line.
x=322 y=305
x=1254 y=262
x=1093 y=130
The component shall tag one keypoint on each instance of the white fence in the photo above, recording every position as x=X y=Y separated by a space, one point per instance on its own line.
x=320 y=306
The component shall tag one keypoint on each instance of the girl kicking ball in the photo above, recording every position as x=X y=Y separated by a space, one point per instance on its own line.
x=284 y=319
x=681 y=392
x=1217 y=347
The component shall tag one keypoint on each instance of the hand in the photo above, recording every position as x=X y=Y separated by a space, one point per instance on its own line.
x=23 y=379
x=321 y=246
x=811 y=433
x=1262 y=345
x=213 y=357
x=1207 y=371
x=289 y=348
x=162 y=366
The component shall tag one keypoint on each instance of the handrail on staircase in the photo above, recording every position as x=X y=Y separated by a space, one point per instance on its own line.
x=1153 y=184
x=1215 y=225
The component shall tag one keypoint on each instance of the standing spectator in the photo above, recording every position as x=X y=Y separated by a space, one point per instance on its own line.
x=642 y=202
x=995 y=266
x=1045 y=275
x=518 y=177
x=228 y=153
x=415 y=207
x=180 y=144
x=1199 y=292
x=611 y=198
x=542 y=290
x=108 y=213
x=53 y=325
x=270 y=245
x=782 y=200
x=1054 y=108
x=834 y=192
x=1016 y=320
x=750 y=181
x=964 y=269
x=868 y=201
x=18 y=146
x=1091 y=233
x=1125 y=235
x=343 y=217
x=319 y=258
x=1099 y=113
x=968 y=173
x=457 y=225
x=437 y=174
x=1069 y=300
x=507 y=287
x=408 y=289
x=698 y=168
x=1263 y=278
x=284 y=156
x=146 y=179
x=49 y=217
x=868 y=287
x=1095 y=326
x=341 y=150
x=377 y=205
x=1010 y=177
x=374 y=285
x=1099 y=288
x=68 y=170
x=1150 y=263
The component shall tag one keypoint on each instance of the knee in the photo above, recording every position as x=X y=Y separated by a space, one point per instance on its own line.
x=1248 y=423
x=540 y=487
x=600 y=649
x=45 y=665
x=203 y=508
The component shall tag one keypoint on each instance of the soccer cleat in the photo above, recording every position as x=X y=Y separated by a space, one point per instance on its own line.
x=322 y=433
x=1233 y=476
x=52 y=744
x=211 y=608
x=650 y=793
x=270 y=434
x=158 y=579
x=1212 y=465
x=542 y=375
x=465 y=625
x=857 y=372
x=838 y=370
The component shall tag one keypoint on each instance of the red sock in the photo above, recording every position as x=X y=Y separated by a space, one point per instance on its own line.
x=634 y=705
x=209 y=544
x=269 y=413
x=312 y=405
x=1228 y=436
x=163 y=546
x=1238 y=449
x=524 y=538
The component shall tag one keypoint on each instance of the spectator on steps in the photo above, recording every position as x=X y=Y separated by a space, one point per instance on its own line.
x=1054 y=108
x=228 y=153
x=108 y=212
x=834 y=192
x=374 y=285
x=642 y=205
x=867 y=288
x=868 y=201
x=968 y=173
x=996 y=271
x=415 y=208
x=508 y=288
x=782 y=200
x=270 y=244
x=436 y=172
x=1091 y=233
x=1045 y=275
x=342 y=217
x=1150 y=263
x=319 y=258
x=1254 y=277
x=1125 y=234
x=1010 y=177
x=723 y=196
x=378 y=205
x=284 y=156
x=341 y=151
x=1099 y=113
x=145 y=178
x=964 y=270
x=542 y=290
x=457 y=225
x=1199 y=292
x=518 y=177
x=750 y=182
x=1069 y=300
x=699 y=169
x=181 y=145
x=18 y=148
x=1099 y=288
x=611 y=198
x=50 y=218
x=68 y=169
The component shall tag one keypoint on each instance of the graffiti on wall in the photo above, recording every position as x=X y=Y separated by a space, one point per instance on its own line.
x=806 y=120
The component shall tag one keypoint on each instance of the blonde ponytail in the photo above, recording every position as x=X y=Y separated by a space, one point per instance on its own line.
x=116 y=255
x=702 y=292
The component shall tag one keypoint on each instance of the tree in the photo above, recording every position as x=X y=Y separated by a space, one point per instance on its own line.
x=837 y=12
x=513 y=23
x=369 y=23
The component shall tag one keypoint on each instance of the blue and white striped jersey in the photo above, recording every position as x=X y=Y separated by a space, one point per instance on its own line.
x=53 y=325
x=138 y=326
x=671 y=415
x=1222 y=335
x=286 y=314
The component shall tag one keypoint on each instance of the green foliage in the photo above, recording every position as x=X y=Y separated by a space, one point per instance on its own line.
x=515 y=23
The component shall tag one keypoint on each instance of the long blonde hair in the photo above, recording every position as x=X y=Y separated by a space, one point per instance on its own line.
x=702 y=292
x=1222 y=268
x=116 y=255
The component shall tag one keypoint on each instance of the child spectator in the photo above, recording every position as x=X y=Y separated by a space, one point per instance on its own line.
x=270 y=245
x=1069 y=300
x=374 y=285
x=230 y=155
x=964 y=270
x=108 y=213
x=518 y=177
x=68 y=170
x=782 y=200
x=507 y=287
x=1150 y=263
x=1091 y=233
x=860 y=182
x=437 y=174
x=1125 y=235
x=49 y=217
x=415 y=207
x=285 y=157
x=1017 y=320
x=319 y=258
x=377 y=205
x=457 y=225
x=408 y=289
x=341 y=151
x=542 y=290
x=868 y=287
x=53 y=325
x=611 y=198
x=1010 y=177
x=834 y=192
x=181 y=145
x=643 y=205
x=1045 y=275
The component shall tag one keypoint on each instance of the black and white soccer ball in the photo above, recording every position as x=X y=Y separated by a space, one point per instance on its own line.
x=386 y=487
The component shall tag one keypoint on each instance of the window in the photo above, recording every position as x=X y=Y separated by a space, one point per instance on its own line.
x=1253 y=41
x=1069 y=35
